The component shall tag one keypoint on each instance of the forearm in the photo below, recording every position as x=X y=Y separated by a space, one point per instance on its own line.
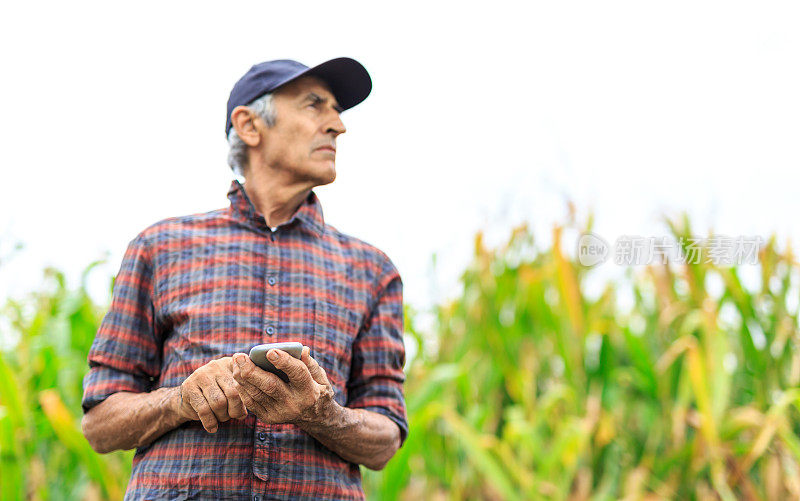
x=357 y=435
x=126 y=420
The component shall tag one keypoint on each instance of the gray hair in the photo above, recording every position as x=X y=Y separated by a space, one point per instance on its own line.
x=264 y=107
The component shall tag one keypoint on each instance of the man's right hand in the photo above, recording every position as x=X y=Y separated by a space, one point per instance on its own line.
x=210 y=395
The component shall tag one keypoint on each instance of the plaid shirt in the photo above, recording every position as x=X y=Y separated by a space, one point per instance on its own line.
x=196 y=288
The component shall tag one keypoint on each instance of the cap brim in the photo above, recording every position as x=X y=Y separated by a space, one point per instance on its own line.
x=348 y=79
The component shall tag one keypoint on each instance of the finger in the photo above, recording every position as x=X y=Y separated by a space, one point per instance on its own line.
x=236 y=408
x=241 y=369
x=198 y=402
x=231 y=361
x=244 y=367
x=215 y=397
x=316 y=370
x=255 y=400
x=261 y=381
x=269 y=384
x=295 y=370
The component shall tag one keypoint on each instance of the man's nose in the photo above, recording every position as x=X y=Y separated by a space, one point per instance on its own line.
x=336 y=126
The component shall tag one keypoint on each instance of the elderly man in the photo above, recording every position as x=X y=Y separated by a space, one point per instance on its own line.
x=169 y=374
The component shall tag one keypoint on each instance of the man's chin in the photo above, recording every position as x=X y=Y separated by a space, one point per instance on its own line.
x=320 y=174
x=329 y=174
x=324 y=178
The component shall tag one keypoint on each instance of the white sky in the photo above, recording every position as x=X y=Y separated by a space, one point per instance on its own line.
x=112 y=119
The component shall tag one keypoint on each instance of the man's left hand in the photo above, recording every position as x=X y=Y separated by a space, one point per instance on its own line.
x=303 y=399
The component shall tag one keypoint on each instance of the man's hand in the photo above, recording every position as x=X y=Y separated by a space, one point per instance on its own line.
x=303 y=399
x=210 y=394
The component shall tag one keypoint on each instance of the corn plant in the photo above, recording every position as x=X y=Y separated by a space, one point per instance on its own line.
x=43 y=454
x=531 y=389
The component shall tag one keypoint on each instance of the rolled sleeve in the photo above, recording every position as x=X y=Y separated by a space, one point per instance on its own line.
x=125 y=354
x=376 y=376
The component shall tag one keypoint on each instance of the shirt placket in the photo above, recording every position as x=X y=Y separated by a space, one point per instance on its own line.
x=263 y=437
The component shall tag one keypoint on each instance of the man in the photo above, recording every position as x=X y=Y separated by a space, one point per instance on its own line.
x=169 y=373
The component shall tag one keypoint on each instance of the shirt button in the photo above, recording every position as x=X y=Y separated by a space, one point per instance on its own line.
x=262 y=436
x=272 y=280
x=270 y=330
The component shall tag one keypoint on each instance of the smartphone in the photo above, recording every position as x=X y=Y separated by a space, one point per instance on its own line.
x=258 y=354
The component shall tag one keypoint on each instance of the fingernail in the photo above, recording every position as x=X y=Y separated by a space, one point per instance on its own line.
x=273 y=355
x=240 y=361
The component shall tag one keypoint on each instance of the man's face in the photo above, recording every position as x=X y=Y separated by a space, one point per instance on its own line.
x=302 y=142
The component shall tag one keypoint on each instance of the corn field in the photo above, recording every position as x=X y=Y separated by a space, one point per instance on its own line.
x=43 y=454
x=535 y=391
x=526 y=387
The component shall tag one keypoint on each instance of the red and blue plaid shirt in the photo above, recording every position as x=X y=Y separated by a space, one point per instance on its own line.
x=196 y=288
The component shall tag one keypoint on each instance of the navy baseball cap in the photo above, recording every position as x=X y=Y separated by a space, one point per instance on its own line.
x=347 y=79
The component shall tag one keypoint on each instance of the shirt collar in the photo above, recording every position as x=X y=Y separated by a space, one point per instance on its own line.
x=309 y=213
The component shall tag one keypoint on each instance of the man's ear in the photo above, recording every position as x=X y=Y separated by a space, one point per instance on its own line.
x=243 y=120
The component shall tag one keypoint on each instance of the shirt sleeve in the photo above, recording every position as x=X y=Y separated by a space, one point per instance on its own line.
x=376 y=374
x=125 y=354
